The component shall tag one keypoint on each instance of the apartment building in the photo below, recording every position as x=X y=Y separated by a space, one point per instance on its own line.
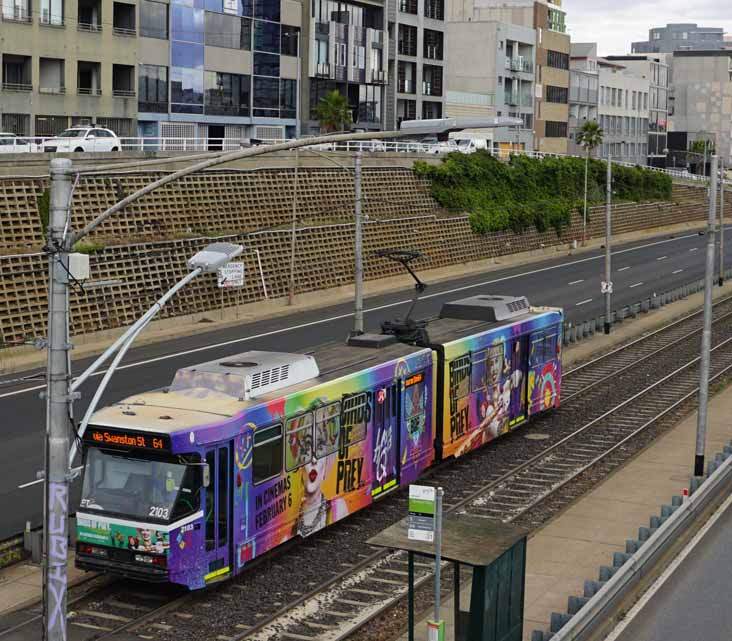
x=66 y=63
x=623 y=110
x=680 y=37
x=655 y=69
x=551 y=61
x=583 y=91
x=417 y=59
x=702 y=100
x=491 y=73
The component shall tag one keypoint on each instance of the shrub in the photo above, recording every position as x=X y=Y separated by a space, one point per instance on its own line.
x=528 y=191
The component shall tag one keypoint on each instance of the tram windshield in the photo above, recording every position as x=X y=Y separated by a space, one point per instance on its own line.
x=146 y=489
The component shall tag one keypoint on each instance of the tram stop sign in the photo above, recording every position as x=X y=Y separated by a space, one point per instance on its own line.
x=421 y=519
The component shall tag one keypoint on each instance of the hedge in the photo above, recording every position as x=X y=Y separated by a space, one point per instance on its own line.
x=529 y=191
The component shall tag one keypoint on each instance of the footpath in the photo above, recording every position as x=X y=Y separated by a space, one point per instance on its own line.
x=570 y=548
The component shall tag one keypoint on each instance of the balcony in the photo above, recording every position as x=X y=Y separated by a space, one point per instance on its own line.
x=123 y=81
x=519 y=64
x=408 y=6
x=378 y=77
x=17 y=87
x=124 y=20
x=16 y=73
x=89 y=17
x=89 y=76
x=52 y=76
x=322 y=70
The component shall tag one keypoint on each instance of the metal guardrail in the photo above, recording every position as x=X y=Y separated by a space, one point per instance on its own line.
x=576 y=332
x=677 y=520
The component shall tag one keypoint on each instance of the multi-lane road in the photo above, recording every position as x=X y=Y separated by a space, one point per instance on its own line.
x=572 y=282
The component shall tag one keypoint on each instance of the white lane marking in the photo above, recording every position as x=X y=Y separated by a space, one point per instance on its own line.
x=693 y=249
x=574 y=282
x=678 y=271
x=622 y=269
x=20 y=487
x=582 y=302
x=636 y=285
x=662 y=258
x=371 y=309
x=668 y=572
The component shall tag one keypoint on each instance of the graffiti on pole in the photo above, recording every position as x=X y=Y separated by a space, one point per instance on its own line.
x=57 y=558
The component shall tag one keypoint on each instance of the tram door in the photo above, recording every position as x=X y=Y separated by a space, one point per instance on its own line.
x=385 y=471
x=218 y=512
x=519 y=372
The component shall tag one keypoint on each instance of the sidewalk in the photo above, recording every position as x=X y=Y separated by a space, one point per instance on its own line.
x=570 y=548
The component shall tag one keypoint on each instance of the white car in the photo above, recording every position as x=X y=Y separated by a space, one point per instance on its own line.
x=12 y=144
x=83 y=139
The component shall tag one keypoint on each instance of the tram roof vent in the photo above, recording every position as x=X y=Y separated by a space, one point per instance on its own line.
x=248 y=375
x=486 y=307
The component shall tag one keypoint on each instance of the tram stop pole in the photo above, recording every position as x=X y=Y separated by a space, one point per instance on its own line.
x=436 y=627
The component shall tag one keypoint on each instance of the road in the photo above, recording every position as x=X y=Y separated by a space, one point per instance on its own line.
x=691 y=601
x=572 y=282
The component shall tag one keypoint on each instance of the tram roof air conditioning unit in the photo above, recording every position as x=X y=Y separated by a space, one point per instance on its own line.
x=248 y=375
x=486 y=308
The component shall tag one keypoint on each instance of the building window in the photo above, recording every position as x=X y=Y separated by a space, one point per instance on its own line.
x=266 y=64
x=266 y=97
x=188 y=24
x=231 y=32
x=152 y=86
x=369 y=104
x=154 y=19
x=341 y=54
x=408 y=6
x=226 y=94
x=289 y=40
x=433 y=43
x=431 y=110
x=406 y=110
x=431 y=80
x=406 y=77
x=557 y=59
x=186 y=90
x=434 y=9
x=16 y=11
x=52 y=12
x=266 y=36
x=656 y=35
x=556 y=21
x=288 y=98
x=407 y=40
x=265 y=9
x=556 y=129
x=557 y=94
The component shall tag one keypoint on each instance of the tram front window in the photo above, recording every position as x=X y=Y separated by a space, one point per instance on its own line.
x=145 y=489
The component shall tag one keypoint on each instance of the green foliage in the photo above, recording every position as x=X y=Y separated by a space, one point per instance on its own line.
x=333 y=112
x=44 y=205
x=88 y=247
x=697 y=146
x=528 y=191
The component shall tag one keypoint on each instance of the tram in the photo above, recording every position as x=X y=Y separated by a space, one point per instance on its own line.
x=190 y=483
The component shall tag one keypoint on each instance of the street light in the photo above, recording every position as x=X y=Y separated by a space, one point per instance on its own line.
x=59 y=394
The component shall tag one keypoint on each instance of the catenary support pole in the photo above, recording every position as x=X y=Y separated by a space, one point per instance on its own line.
x=584 y=214
x=721 y=222
x=701 y=423
x=608 y=237
x=56 y=526
x=293 y=235
x=358 y=250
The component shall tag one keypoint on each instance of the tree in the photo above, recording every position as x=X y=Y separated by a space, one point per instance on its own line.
x=698 y=147
x=589 y=136
x=333 y=112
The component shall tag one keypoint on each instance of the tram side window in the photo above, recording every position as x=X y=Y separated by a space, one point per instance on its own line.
x=543 y=348
x=459 y=378
x=267 y=453
x=355 y=416
x=327 y=427
x=550 y=347
x=299 y=441
x=415 y=399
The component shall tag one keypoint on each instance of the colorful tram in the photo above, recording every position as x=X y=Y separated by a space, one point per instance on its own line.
x=190 y=483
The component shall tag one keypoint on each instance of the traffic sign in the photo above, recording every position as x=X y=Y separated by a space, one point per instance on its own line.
x=421 y=519
x=606 y=288
x=231 y=275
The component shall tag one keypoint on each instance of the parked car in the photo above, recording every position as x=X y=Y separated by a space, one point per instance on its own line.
x=12 y=144
x=470 y=145
x=84 y=139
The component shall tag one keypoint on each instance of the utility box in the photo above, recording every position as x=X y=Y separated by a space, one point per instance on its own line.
x=496 y=552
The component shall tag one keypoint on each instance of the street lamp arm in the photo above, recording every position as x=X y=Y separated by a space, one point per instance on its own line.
x=220 y=160
x=122 y=344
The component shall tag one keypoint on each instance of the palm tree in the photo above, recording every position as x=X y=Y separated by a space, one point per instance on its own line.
x=589 y=136
x=333 y=112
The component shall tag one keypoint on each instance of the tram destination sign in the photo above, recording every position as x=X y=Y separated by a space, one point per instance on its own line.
x=127 y=439
x=421 y=519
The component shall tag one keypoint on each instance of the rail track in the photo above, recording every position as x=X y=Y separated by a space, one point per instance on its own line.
x=326 y=587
